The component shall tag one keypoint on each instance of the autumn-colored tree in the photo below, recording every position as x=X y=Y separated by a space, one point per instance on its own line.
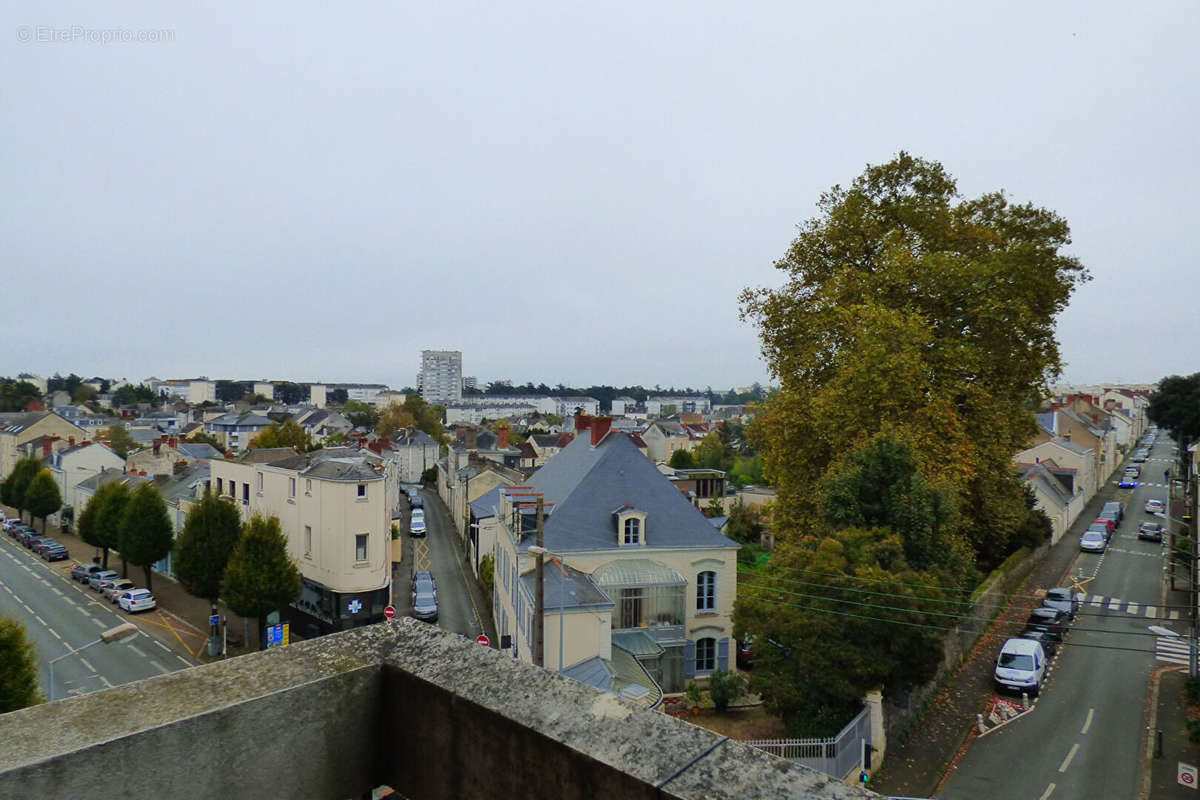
x=289 y=434
x=119 y=440
x=394 y=417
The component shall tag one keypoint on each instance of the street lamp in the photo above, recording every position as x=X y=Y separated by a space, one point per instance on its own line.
x=117 y=634
x=562 y=592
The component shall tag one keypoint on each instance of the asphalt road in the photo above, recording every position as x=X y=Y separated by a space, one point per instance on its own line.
x=1084 y=738
x=61 y=616
x=440 y=552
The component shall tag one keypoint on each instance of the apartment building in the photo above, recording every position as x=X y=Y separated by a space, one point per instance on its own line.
x=440 y=380
x=336 y=512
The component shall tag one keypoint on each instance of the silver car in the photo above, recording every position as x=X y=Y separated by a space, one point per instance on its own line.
x=1093 y=542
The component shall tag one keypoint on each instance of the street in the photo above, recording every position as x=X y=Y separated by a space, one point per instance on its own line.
x=440 y=552
x=60 y=616
x=1084 y=737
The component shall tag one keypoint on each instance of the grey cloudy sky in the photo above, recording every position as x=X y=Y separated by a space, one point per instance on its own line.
x=564 y=192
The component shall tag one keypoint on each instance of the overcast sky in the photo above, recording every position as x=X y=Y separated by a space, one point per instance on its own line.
x=565 y=192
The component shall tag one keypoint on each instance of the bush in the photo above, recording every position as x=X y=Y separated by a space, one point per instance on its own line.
x=487 y=574
x=725 y=687
x=395 y=530
x=1191 y=690
x=693 y=693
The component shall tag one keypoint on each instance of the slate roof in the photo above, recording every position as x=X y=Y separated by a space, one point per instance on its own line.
x=1045 y=421
x=1037 y=473
x=1067 y=444
x=485 y=507
x=15 y=422
x=576 y=592
x=185 y=483
x=202 y=450
x=586 y=483
x=110 y=475
x=339 y=470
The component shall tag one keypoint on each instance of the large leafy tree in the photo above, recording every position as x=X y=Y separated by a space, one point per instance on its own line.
x=1175 y=405
x=87 y=526
x=904 y=303
x=43 y=497
x=428 y=418
x=204 y=546
x=18 y=668
x=260 y=576
x=22 y=475
x=119 y=440
x=145 y=535
x=289 y=434
x=394 y=417
x=110 y=501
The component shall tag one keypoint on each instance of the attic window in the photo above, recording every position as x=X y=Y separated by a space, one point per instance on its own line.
x=632 y=531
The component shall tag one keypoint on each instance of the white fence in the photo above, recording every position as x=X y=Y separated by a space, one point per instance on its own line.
x=837 y=755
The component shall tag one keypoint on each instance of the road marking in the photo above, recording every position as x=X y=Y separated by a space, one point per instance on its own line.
x=158 y=666
x=1114 y=604
x=184 y=661
x=30 y=610
x=39 y=619
x=1097 y=599
x=160 y=644
x=1133 y=608
x=1173 y=615
x=98 y=622
x=1067 y=761
x=134 y=648
x=1151 y=611
x=1088 y=722
x=84 y=661
x=1046 y=794
x=104 y=680
x=54 y=633
x=1171 y=650
x=56 y=591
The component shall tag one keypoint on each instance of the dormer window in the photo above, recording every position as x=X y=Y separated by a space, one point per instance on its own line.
x=631 y=526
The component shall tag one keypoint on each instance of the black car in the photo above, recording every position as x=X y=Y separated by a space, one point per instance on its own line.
x=1041 y=635
x=1053 y=621
x=1061 y=600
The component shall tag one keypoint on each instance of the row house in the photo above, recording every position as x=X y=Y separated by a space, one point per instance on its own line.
x=664 y=437
x=165 y=453
x=18 y=429
x=336 y=513
x=76 y=464
x=641 y=583
x=234 y=431
x=1072 y=465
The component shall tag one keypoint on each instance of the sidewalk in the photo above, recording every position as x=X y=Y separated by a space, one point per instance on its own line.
x=915 y=767
x=1170 y=715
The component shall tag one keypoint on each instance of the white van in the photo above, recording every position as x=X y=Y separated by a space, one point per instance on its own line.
x=1021 y=666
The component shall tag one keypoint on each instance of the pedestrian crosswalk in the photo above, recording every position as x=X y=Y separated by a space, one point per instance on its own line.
x=1098 y=601
x=1171 y=649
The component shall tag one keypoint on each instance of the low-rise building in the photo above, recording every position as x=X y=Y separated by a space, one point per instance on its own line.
x=17 y=429
x=336 y=512
x=76 y=464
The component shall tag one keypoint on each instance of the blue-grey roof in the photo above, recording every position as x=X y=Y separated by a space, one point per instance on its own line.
x=594 y=672
x=486 y=506
x=1067 y=444
x=576 y=590
x=1045 y=421
x=585 y=483
x=202 y=450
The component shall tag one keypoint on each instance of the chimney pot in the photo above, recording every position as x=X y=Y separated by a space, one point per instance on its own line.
x=47 y=446
x=503 y=443
x=71 y=441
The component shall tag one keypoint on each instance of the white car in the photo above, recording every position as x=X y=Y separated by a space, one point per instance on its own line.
x=1021 y=666
x=136 y=600
x=1156 y=506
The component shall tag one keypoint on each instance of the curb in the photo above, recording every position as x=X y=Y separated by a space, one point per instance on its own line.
x=1145 y=763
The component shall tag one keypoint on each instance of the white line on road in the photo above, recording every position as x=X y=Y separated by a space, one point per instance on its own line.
x=84 y=661
x=54 y=633
x=1067 y=761
x=158 y=666
x=104 y=680
x=56 y=591
x=184 y=661
x=1046 y=794
x=1097 y=599
x=1174 y=615
x=160 y=644
x=27 y=608
x=1114 y=604
x=134 y=648
x=1087 y=723
x=1133 y=608
x=98 y=622
x=1151 y=611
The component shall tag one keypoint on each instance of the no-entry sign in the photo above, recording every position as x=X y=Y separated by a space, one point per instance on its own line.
x=389 y=611
x=483 y=640
x=1187 y=775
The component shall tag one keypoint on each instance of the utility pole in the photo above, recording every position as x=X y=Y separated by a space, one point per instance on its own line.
x=539 y=608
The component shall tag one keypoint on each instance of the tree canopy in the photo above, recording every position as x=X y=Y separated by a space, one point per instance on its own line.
x=15 y=487
x=18 y=668
x=43 y=497
x=205 y=544
x=110 y=501
x=1175 y=406
x=912 y=335
x=260 y=576
x=145 y=534
x=289 y=434
x=119 y=440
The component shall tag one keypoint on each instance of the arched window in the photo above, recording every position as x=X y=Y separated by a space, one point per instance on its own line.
x=706 y=591
x=633 y=530
x=706 y=655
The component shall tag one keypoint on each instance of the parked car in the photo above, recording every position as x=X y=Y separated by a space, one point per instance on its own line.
x=1055 y=621
x=117 y=588
x=1093 y=541
x=1156 y=506
x=56 y=553
x=135 y=600
x=1127 y=482
x=1062 y=600
x=424 y=606
x=9 y=524
x=34 y=541
x=1042 y=637
x=1133 y=471
x=105 y=574
x=416 y=526
x=81 y=572
x=107 y=584
x=24 y=535
x=1151 y=530
x=1140 y=456
x=416 y=501
x=1117 y=507
x=1021 y=666
x=423 y=582
x=1110 y=524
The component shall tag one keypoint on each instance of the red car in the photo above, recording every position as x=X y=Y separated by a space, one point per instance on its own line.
x=1108 y=523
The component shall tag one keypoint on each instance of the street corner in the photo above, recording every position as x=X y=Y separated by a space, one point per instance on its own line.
x=172 y=633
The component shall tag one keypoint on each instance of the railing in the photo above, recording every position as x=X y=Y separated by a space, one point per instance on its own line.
x=836 y=756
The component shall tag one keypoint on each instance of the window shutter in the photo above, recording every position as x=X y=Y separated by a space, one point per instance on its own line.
x=723 y=654
x=689 y=659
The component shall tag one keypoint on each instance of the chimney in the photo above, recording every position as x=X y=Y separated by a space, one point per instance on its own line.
x=600 y=428
x=503 y=443
x=582 y=423
x=47 y=446
x=173 y=443
x=157 y=444
x=70 y=441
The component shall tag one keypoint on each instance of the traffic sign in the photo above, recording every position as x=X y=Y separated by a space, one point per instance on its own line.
x=483 y=640
x=215 y=619
x=389 y=611
x=1187 y=775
